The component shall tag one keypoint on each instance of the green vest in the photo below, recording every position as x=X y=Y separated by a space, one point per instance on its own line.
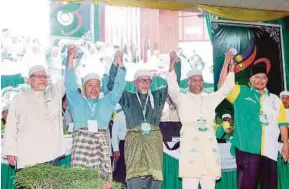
x=247 y=125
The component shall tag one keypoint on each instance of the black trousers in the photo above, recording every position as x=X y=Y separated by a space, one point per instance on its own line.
x=255 y=170
x=119 y=173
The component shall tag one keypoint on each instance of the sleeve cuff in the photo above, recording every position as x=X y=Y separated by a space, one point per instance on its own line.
x=283 y=124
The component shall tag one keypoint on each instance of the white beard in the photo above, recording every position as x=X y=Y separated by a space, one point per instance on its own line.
x=143 y=92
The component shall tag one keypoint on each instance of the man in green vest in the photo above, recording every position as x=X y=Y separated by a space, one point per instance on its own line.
x=259 y=118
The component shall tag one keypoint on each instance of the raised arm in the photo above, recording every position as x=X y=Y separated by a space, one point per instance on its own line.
x=112 y=74
x=228 y=84
x=173 y=78
x=118 y=86
x=71 y=87
x=224 y=72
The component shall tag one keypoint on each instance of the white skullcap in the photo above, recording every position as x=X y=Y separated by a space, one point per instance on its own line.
x=226 y=116
x=193 y=72
x=284 y=93
x=90 y=76
x=117 y=106
x=140 y=73
x=6 y=107
x=36 y=68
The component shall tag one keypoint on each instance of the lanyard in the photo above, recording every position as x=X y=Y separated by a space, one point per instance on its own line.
x=92 y=107
x=201 y=108
x=145 y=106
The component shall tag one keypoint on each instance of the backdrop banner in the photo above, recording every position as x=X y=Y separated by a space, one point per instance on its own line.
x=251 y=44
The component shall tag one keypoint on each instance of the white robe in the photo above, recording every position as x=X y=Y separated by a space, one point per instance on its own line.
x=199 y=153
x=34 y=128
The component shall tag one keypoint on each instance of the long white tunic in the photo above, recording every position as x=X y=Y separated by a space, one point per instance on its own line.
x=34 y=129
x=199 y=153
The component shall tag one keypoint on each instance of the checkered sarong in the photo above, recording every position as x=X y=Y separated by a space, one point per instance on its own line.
x=92 y=150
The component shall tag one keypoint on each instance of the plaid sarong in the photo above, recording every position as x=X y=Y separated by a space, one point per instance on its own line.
x=92 y=150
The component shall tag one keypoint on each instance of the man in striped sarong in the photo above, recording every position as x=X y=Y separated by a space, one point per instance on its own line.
x=91 y=116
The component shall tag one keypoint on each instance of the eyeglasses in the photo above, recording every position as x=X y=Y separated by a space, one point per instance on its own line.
x=40 y=76
x=142 y=81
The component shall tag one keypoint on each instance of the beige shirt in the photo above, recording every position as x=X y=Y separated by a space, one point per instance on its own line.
x=34 y=128
x=199 y=153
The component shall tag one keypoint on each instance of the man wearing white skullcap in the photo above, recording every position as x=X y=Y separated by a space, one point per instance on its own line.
x=284 y=95
x=143 y=143
x=91 y=116
x=199 y=156
x=34 y=129
x=224 y=130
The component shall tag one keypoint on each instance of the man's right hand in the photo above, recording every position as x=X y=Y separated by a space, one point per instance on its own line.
x=11 y=160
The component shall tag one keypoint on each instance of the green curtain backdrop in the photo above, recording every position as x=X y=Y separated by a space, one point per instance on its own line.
x=11 y=80
x=239 y=38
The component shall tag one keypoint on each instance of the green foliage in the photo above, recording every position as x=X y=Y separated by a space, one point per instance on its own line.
x=45 y=176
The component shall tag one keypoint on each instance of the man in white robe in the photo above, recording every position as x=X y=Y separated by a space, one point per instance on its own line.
x=34 y=130
x=199 y=154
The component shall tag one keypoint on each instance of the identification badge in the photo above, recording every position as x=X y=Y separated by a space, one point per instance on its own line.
x=92 y=126
x=146 y=128
x=202 y=125
x=70 y=128
x=264 y=120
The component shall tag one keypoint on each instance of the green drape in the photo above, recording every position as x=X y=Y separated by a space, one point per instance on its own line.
x=172 y=181
x=7 y=176
x=11 y=80
x=208 y=19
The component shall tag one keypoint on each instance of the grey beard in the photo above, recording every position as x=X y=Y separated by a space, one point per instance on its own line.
x=143 y=92
x=94 y=97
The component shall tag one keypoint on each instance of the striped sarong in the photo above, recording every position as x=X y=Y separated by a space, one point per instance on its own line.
x=144 y=154
x=92 y=150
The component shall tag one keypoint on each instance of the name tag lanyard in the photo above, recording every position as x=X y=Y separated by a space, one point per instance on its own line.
x=145 y=106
